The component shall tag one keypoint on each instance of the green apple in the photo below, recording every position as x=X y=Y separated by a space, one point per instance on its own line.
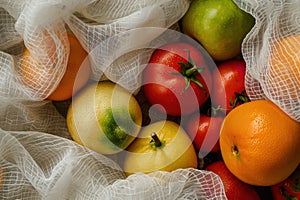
x=219 y=25
x=163 y=146
x=104 y=117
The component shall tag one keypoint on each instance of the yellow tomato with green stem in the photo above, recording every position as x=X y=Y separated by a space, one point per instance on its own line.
x=160 y=146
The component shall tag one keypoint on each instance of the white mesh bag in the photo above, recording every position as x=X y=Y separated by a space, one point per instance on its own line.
x=44 y=164
x=36 y=165
x=272 y=53
x=37 y=158
x=40 y=26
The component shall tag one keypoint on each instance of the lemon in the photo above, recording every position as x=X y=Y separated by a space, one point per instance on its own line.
x=104 y=117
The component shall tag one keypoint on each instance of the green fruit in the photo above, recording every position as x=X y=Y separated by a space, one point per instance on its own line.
x=104 y=117
x=219 y=25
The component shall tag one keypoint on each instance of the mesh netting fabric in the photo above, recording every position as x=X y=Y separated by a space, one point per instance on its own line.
x=36 y=165
x=37 y=158
x=40 y=26
x=272 y=53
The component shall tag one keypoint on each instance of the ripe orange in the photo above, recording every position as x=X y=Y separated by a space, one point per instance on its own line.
x=260 y=144
x=36 y=68
x=37 y=73
x=283 y=73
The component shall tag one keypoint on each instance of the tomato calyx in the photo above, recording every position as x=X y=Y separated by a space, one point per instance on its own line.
x=240 y=98
x=214 y=111
x=289 y=189
x=295 y=179
x=156 y=143
x=189 y=71
x=285 y=195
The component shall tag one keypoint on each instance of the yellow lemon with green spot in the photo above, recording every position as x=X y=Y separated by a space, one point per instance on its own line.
x=104 y=117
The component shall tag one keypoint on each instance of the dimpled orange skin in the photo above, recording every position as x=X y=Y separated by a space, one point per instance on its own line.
x=260 y=144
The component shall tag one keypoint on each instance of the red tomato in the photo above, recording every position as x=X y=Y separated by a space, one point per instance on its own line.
x=289 y=188
x=204 y=131
x=177 y=78
x=234 y=188
x=228 y=85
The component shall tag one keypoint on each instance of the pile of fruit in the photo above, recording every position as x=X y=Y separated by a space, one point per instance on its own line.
x=191 y=112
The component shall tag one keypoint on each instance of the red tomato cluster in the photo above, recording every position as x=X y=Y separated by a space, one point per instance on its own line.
x=180 y=79
x=185 y=84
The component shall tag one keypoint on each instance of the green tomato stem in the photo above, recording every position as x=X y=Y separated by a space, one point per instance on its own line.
x=191 y=71
x=296 y=180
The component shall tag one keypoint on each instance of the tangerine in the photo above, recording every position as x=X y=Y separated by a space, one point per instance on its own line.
x=260 y=144
x=77 y=73
x=37 y=73
x=283 y=72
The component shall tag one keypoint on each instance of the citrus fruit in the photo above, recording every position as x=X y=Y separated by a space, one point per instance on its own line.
x=104 y=117
x=37 y=73
x=283 y=72
x=260 y=144
x=234 y=188
x=169 y=149
x=36 y=67
x=219 y=25
x=77 y=72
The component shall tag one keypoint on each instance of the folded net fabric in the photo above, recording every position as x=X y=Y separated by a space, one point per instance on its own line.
x=38 y=159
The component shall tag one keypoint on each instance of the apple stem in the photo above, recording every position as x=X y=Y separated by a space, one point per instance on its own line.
x=156 y=140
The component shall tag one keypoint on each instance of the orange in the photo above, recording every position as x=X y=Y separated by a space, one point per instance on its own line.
x=283 y=72
x=37 y=66
x=260 y=144
x=77 y=72
x=37 y=73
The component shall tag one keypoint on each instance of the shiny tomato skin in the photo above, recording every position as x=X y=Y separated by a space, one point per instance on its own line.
x=234 y=188
x=286 y=189
x=163 y=85
x=228 y=79
x=202 y=128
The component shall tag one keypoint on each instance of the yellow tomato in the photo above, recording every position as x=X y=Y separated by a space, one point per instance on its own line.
x=162 y=145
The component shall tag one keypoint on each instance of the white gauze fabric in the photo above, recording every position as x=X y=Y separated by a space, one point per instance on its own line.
x=38 y=160
x=272 y=53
